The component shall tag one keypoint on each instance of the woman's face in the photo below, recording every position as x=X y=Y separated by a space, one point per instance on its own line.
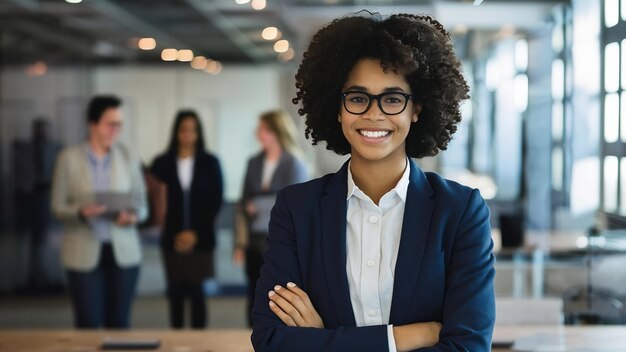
x=187 y=133
x=266 y=136
x=106 y=131
x=374 y=135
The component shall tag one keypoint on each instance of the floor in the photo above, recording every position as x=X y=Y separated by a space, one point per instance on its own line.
x=149 y=312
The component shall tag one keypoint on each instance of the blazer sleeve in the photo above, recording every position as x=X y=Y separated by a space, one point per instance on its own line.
x=63 y=209
x=217 y=188
x=469 y=308
x=281 y=266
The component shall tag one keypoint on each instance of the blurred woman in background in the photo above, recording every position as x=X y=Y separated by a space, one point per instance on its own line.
x=276 y=166
x=98 y=193
x=194 y=196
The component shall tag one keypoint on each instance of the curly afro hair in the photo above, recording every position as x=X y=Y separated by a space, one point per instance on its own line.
x=417 y=47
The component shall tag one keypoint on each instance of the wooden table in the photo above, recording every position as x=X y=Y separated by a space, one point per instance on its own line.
x=575 y=338
x=607 y=338
x=90 y=341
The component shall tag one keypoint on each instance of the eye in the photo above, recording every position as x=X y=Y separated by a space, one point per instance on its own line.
x=357 y=99
x=394 y=99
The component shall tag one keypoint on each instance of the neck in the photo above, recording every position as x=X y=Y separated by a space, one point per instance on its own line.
x=185 y=152
x=98 y=149
x=273 y=153
x=375 y=178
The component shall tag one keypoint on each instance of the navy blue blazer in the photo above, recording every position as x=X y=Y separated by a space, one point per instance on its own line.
x=444 y=271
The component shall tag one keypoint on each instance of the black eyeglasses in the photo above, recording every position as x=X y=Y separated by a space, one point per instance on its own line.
x=358 y=103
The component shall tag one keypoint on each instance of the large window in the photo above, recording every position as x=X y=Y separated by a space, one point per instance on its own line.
x=613 y=107
x=561 y=105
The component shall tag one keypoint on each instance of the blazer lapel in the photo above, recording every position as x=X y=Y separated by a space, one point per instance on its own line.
x=333 y=215
x=87 y=174
x=277 y=181
x=173 y=161
x=195 y=174
x=415 y=229
x=115 y=160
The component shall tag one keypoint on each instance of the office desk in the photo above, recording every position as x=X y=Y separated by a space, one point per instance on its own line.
x=575 y=338
x=90 y=341
x=607 y=338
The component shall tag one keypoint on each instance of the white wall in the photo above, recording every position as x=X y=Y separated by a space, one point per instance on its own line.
x=229 y=105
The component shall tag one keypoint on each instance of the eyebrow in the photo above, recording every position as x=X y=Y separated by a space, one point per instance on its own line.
x=364 y=89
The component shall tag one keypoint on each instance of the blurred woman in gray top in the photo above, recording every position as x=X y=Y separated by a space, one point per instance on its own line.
x=276 y=166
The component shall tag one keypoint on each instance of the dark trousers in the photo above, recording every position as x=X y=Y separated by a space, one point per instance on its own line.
x=254 y=261
x=185 y=275
x=176 y=296
x=103 y=296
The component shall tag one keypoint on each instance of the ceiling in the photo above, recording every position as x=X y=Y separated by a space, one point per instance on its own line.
x=105 y=31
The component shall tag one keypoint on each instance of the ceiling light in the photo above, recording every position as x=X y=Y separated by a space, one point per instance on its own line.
x=184 y=55
x=37 y=69
x=146 y=43
x=287 y=55
x=270 y=33
x=199 y=62
x=281 y=46
x=74 y=1
x=241 y=2
x=258 y=4
x=169 y=54
x=213 y=67
x=477 y=2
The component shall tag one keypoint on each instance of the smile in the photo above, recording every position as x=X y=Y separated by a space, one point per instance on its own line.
x=374 y=134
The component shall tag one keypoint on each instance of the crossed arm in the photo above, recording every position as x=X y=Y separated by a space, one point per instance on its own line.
x=294 y=308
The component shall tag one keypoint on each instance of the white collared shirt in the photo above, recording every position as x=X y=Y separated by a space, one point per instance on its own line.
x=185 y=172
x=373 y=238
x=269 y=167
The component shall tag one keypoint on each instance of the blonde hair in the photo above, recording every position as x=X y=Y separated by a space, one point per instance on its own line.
x=281 y=124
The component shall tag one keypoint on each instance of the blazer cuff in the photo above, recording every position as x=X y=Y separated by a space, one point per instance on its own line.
x=390 y=339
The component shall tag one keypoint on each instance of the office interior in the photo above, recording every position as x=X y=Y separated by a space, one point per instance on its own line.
x=543 y=136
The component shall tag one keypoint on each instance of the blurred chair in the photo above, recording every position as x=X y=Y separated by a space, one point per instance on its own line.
x=529 y=311
x=512 y=229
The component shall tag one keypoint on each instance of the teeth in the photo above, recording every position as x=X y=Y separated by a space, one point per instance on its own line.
x=374 y=134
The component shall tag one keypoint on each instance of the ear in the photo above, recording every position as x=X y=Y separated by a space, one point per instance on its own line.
x=417 y=109
x=339 y=117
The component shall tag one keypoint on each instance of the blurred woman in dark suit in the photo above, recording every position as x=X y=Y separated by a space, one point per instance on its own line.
x=194 y=197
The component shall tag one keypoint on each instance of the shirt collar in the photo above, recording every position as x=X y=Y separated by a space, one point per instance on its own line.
x=400 y=188
x=92 y=156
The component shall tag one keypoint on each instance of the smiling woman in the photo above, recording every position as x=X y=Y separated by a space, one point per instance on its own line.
x=381 y=256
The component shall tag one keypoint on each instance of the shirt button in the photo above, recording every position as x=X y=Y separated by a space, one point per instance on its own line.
x=371 y=313
x=373 y=219
x=370 y=263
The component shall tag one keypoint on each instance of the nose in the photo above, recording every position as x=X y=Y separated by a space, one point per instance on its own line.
x=374 y=112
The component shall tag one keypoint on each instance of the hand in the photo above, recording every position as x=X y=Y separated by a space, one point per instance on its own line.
x=239 y=256
x=92 y=210
x=250 y=208
x=185 y=241
x=417 y=335
x=126 y=218
x=293 y=306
